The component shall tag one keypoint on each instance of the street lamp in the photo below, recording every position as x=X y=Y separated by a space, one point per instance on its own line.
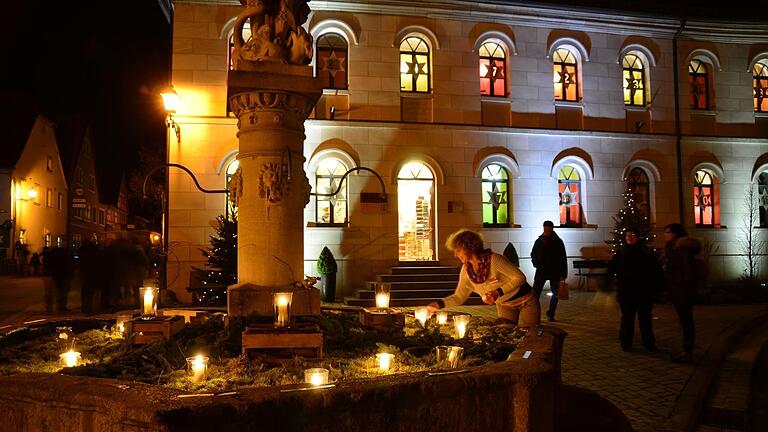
x=171 y=104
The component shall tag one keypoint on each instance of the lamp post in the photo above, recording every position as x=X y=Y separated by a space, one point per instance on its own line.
x=170 y=103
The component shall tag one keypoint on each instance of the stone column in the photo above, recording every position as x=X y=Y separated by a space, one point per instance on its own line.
x=271 y=91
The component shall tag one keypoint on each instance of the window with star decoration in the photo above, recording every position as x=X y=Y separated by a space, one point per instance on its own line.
x=566 y=69
x=762 y=198
x=569 y=189
x=704 y=199
x=414 y=65
x=634 y=80
x=493 y=74
x=760 y=85
x=495 y=196
x=332 y=61
x=698 y=78
x=331 y=210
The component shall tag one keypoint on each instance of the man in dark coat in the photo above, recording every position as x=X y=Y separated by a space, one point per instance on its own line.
x=681 y=273
x=639 y=281
x=62 y=267
x=549 y=259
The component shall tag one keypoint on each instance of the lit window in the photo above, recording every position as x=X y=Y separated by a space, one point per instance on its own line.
x=634 y=80
x=49 y=198
x=566 y=75
x=639 y=185
x=414 y=65
x=246 y=38
x=415 y=214
x=328 y=177
x=47 y=240
x=60 y=202
x=493 y=75
x=698 y=77
x=49 y=164
x=762 y=198
x=495 y=196
x=760 y=81
x=332 y=61
x=231 y=209
x=569 y=189
x=704 y=199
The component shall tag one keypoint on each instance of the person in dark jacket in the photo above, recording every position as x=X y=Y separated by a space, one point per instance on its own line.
x=549 y=259
x=639 y=280
x=681 y=271
x=62 y=267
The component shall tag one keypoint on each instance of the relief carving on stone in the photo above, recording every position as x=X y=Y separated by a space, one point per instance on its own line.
x=277 y=34
x=236 y=187
x=271 y=184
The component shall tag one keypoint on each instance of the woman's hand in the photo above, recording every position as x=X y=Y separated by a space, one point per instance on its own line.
x=432 y=308
x=490 y=297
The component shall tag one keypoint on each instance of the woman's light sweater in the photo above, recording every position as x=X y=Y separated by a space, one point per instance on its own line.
x=502 y=274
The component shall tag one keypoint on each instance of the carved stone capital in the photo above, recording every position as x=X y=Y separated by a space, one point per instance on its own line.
x=269 y=109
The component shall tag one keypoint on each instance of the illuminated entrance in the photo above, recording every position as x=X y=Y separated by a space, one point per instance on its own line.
x=416 y=218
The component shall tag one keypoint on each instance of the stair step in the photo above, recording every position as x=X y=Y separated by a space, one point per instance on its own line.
x=430 y=285
x=406 y=270
x=407 y=302
x=436 y=293
x=435 y=277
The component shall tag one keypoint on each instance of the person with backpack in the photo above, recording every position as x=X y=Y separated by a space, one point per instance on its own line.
x=682 y=279
x=639 y=279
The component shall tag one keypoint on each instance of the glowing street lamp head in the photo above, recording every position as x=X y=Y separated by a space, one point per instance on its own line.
x=32 y=194
x=170 y=100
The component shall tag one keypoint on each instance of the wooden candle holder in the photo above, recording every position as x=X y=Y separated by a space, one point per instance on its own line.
x=303 y=340
x=381 y=319
x=143 y=332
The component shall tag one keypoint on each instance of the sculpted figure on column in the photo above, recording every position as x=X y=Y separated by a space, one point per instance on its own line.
x=277 y=35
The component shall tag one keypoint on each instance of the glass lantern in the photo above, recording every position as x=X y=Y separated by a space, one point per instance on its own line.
x=148 y=297
x=282 y=308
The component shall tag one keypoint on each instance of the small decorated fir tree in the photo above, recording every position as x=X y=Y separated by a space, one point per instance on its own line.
x=630 y=217
x=221 y=265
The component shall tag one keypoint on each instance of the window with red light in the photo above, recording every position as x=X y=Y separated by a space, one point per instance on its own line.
x=569 y=189
x=493 y=73
x=331 y=62
x=760 y=85
x=704 y=199
x=698 y=77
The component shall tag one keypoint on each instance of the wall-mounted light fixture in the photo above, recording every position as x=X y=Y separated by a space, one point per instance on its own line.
x=171 y=103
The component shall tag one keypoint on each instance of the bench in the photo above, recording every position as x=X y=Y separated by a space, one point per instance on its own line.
x=591 y=268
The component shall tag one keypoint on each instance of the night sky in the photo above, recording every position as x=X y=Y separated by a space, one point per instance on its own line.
x=80 y=57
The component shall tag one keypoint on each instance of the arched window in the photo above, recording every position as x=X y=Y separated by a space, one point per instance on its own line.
x=639 y=185
x=493 y=72
x=634 y=80
x=704 y=199
x=762 y=198
x=566 y=75
x=698 y=77
x=495 y=196
x=331 y=210
x=414 y=65
x=569 y=188
x=231 y=209
x=760 y=83
x=331 y=64
x=246 y=38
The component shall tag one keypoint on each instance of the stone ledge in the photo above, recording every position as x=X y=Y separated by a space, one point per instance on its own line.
x=519 y=394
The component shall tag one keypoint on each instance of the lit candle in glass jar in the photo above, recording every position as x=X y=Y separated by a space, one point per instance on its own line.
x=442 y=317
x=382 y=291
x=198 y=365
x=316 y=376
x=282 y=303
x=385 y=361
x=421 y=315
x=70 y=358
x=148 y=301
x=460 y=322
x=454 y=355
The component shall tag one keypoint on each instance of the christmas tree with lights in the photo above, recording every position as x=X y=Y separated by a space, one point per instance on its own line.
x=630 y=217
x=221 y=265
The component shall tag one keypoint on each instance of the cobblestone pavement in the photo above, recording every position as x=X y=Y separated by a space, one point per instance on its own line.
x=645 y=386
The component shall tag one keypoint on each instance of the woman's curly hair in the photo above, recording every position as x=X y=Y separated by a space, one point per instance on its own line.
x=467 y=240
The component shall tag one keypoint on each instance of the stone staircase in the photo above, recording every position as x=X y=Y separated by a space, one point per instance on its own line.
x=415 y=284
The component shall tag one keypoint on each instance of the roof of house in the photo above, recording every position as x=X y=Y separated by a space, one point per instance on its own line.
x=70 y=133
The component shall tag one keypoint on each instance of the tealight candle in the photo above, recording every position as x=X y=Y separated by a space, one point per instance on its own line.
x=148 y=301
x=316 y=376
x=385 y=361
x=454 y=355
x=421 y=315
x=70 y=358
x=198 y=365
x=460 y=322
x=282 y=303
x=120 y=322
x=442 y=317
x=382 y=295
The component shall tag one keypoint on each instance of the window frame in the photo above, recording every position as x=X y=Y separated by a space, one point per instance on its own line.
x=692 y=79
x=344 y=63
x=491 y=59
x=344 y=189
x=762 y=188
x=413 y=53
x=698 y=189
x=579 y=196
x=760 y=81
x=563 y=67
x=631 y=70
x=506 y=201
x=644 y=182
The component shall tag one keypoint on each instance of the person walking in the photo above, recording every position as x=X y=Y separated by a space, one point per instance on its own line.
x=549 y=259
x=639 y=280
x=492 y=276
x=680 y=256
x=34 y=261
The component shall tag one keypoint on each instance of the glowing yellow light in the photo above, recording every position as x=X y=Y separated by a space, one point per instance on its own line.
x=385 y=361
x=197 y=367
x=170 y=100
x=421 y=315
x=70 y=358
x=316 y=376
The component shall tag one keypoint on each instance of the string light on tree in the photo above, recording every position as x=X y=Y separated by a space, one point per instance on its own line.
x=630 y=217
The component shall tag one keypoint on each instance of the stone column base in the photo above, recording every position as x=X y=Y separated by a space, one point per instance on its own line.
x=247 y=298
